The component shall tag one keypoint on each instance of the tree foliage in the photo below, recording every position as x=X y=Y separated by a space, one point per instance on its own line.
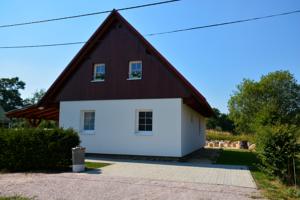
x=37 y=95
x=220 y=121
x=10 y=97
x=274 y=99
x=277 y=148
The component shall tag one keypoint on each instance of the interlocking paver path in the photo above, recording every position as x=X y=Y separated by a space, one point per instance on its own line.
x=187 y=172
x=136 y=180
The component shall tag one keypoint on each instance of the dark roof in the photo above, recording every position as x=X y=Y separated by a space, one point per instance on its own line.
x=35 y=112
x=198 y=102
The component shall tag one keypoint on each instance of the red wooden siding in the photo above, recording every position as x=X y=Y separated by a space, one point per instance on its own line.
x=116 y=43
x=116 y=50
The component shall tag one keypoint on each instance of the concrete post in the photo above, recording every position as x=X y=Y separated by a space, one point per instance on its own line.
x=78 y=156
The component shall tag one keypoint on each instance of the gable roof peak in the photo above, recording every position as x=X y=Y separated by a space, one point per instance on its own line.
x=90 y=44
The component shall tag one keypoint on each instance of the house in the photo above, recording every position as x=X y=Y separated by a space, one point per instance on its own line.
x=124 y=97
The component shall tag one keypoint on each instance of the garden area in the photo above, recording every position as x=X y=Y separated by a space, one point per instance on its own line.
x=265 y=113
x=270 y=186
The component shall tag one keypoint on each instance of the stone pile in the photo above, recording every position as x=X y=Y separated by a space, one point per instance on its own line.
x=227 y=144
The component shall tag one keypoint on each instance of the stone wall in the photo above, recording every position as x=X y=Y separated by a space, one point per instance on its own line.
x=229 y=144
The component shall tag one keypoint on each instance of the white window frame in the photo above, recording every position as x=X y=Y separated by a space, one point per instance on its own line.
x=129 y=73
x=82 y=131
x=94 y=72
x=143 y=133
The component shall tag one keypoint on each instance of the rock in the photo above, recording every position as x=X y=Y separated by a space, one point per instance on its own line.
x=252 y=147
x=216 y=144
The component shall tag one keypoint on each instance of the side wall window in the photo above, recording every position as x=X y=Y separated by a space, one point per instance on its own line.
x=88 y=121
x=144 y=121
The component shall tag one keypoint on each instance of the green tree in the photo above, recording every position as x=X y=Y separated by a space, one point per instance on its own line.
x=270 y=108
x=10 y=97
x=274 y=99
x=37 y=95
x=220 y=121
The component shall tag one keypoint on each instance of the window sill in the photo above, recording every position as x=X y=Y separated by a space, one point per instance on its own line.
x=133 y=79
x=93 y=81
x=144 y=133
x=87 y=132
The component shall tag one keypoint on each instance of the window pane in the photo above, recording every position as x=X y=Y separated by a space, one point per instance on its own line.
x=148 y=114
x=89 y=121
x=148 y=127
x=99 y=72
x=135 y=70
x=145 y=121
x=148 y=121
x=86 y=127
x=139 y=66
x=142 y=114
x=142 y=121
x=142 y=127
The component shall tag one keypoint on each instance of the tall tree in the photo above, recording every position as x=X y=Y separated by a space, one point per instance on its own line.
x=220 y=121
x=274 y=99
x=37 y=95
x=10 y=97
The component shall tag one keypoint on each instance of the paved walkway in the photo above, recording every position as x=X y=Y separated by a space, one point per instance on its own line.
x=136 y=180
x=176 y=171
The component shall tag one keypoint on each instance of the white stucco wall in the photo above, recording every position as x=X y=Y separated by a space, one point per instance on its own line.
x=192 y=130
x=115 y=126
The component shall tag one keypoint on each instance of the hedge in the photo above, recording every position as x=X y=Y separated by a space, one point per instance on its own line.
x=277 y=148
x=36 y=149
x=219 y=135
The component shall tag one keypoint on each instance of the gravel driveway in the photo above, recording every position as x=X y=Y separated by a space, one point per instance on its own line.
x=95 y=185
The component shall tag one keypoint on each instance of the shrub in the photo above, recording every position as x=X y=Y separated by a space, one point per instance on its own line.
x=219 y=135
x=32 y=149
x=277 y=147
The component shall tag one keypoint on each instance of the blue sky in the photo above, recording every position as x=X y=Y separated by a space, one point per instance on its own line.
x=214 y=60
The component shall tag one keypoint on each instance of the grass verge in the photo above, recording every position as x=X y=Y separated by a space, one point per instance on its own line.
x=94 y=165
x=14 y=198
x=270 y=186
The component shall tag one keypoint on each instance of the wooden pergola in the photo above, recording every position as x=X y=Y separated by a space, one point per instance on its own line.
x=34 y=114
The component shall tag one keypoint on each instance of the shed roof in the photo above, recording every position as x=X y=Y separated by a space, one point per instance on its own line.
x=35 y=112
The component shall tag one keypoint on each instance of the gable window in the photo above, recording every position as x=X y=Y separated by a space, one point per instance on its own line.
x=88 y=121
x=135 y=70
x=99 y=72
x=144 y=122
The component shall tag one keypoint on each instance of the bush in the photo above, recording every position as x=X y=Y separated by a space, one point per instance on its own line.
x=277 y=147
x=35 y=149
x=219 y=135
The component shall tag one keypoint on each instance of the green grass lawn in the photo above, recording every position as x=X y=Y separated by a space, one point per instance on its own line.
x=270 y=187
x=94 y=165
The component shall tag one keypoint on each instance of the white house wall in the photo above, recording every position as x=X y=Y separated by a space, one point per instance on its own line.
x=115 y=126
x=192 y=130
